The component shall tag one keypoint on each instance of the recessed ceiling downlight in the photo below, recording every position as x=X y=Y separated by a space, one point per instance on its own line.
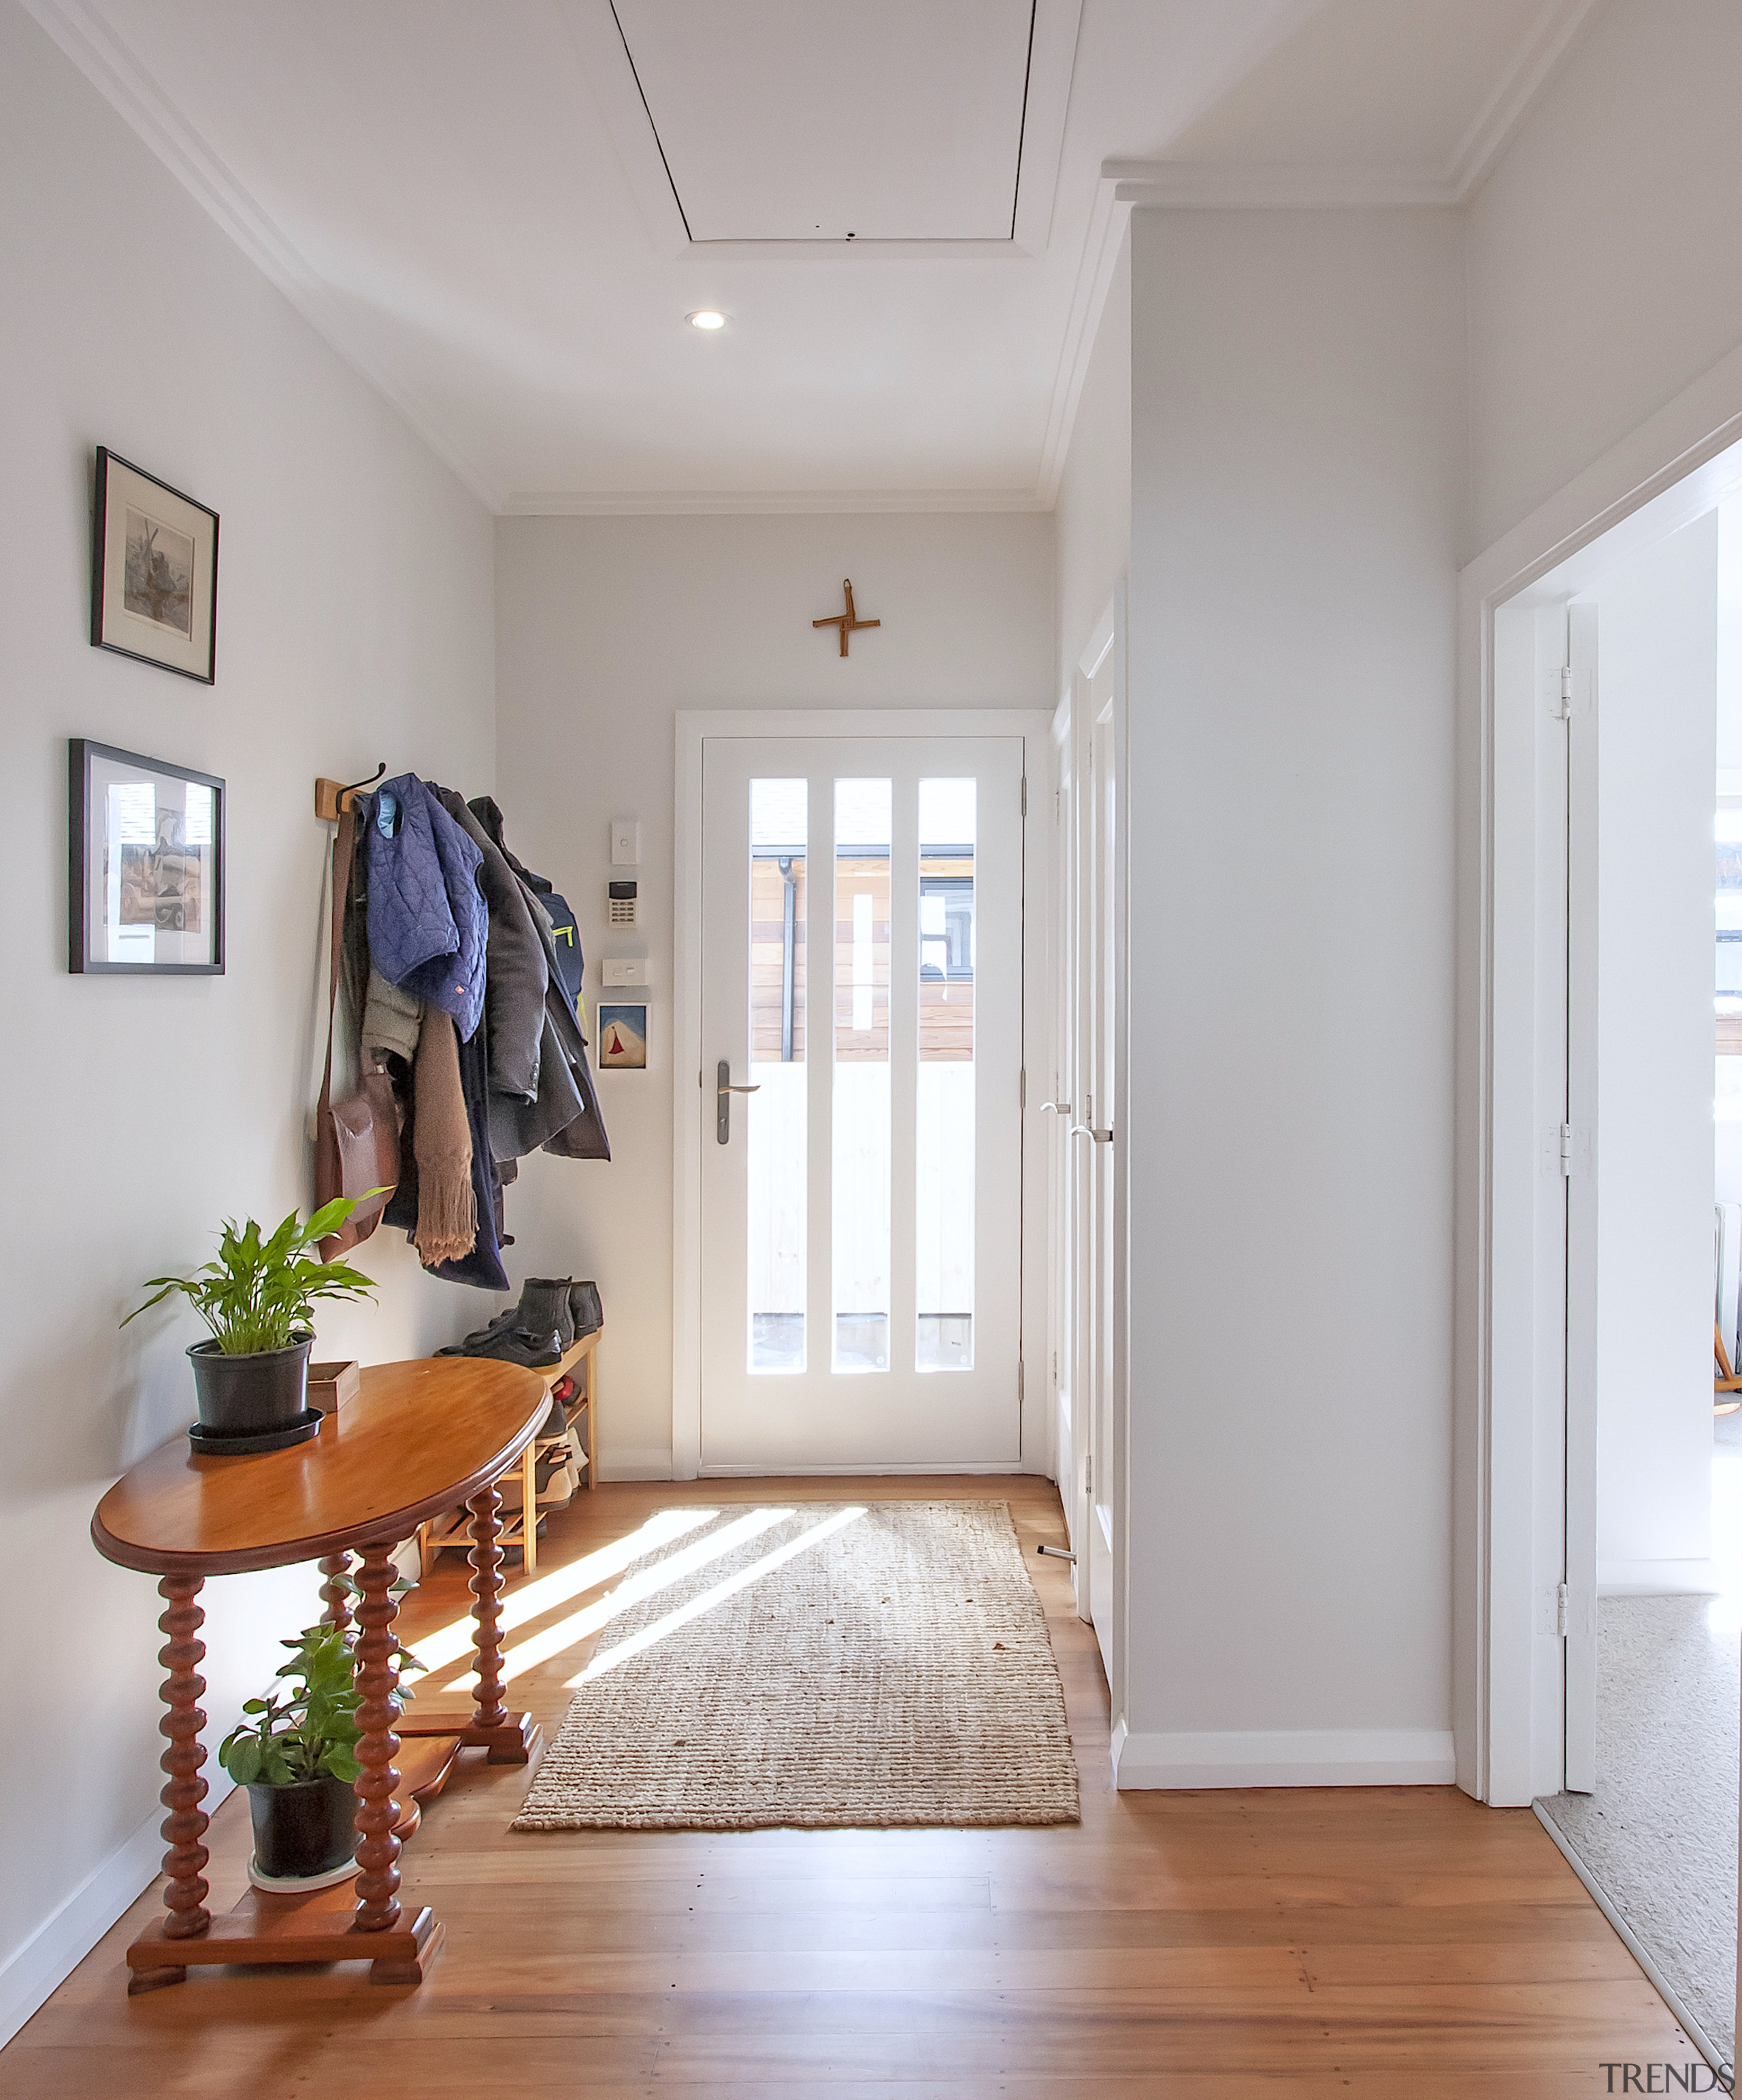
x=708 y=317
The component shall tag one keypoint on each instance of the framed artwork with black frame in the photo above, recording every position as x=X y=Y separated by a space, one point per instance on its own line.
x=153 y=571
x=145 y=888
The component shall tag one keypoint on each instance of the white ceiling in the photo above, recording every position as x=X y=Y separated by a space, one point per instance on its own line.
x=780 y=120
x=473 y=204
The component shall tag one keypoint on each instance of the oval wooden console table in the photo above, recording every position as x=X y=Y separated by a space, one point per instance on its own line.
x=418 y=1438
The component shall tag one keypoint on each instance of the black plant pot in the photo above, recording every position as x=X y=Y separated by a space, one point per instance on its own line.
x=251 y=1395
x=305 y=1829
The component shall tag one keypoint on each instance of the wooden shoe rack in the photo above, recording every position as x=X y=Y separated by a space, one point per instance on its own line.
x=520 y=1526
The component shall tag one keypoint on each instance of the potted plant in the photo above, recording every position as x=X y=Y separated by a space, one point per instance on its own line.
x=251 y=1379
x=296 y=1753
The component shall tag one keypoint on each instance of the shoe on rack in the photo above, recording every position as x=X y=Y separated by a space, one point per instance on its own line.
x=499 y=1326
x=584 y=1308
x=520 y=1345
x=545 y=1305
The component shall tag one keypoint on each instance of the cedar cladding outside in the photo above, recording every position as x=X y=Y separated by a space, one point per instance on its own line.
x=947 y=1006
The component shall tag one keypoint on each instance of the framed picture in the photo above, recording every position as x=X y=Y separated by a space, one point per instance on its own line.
x=153 y=571
x=623 y=1038
x=146 y=865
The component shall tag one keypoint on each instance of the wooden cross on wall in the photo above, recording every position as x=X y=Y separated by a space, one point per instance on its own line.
x=849 y=622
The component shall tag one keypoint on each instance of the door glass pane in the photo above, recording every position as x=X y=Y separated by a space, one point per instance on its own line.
x=944 y=1108
x=861 y=1221
x=774 y=1117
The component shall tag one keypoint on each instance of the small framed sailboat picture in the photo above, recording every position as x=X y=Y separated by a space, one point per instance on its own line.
x=623 y=1038
x=153 y=571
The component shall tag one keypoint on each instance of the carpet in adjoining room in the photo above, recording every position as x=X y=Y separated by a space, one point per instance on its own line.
x=1659 y=1835
x=880 y=1665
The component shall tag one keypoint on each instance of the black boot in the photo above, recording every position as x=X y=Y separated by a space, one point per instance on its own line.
x=584 y=1308
x=519 y=1345
x=545 y=1308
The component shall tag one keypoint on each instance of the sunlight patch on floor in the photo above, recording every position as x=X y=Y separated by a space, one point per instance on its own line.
x=609 y=1658
x=530 y=1600
x=540 y=1647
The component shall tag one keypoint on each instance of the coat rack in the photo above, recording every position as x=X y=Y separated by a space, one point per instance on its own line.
x=330 y=796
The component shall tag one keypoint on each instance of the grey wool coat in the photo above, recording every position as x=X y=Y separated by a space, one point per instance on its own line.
x=517 y=968
x=535 y=1093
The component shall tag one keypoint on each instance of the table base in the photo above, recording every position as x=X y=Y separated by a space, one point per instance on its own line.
x=266 y=1929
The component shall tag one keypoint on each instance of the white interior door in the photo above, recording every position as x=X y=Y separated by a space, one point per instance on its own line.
x=860 y=1102
x=1089 y=1137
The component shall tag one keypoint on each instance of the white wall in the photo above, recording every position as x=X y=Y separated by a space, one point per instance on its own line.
x=354 y=622
x=1297 y=412
x=1605 y=250
x=1656 y=642
x=607 y=627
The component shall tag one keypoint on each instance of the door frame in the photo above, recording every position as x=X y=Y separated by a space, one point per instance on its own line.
x=1515 y=1443
x=695 y=725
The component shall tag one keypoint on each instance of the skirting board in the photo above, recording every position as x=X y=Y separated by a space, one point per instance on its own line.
x=621 y=1465
x=1290 y=1757
x=36 y=1971
x=1657 y=1578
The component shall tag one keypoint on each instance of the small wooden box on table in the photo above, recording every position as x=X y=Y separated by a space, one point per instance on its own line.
x=416 y=1439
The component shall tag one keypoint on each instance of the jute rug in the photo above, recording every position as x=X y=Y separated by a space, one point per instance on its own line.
x=880 y=1665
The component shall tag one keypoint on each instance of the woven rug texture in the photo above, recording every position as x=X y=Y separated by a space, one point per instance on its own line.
x=862 y=1666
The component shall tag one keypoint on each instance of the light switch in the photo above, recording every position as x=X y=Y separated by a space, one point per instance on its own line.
x=625 y=842
x=624 y=970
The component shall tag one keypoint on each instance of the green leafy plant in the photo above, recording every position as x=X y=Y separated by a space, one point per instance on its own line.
x=260 y=1293
x=311 y=1732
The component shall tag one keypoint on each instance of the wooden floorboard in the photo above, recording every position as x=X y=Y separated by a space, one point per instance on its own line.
x=1352 y=1942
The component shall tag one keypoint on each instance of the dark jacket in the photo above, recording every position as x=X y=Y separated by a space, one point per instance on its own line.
x=566 y=1120
x=428 y=924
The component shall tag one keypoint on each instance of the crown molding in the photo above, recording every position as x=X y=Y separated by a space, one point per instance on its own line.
x=766 y=502
x=1521 y=87
x=1257 y=186
x=117 y=74
x=1100 y=253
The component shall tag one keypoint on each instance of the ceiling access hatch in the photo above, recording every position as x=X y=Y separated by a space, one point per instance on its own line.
x=836 y=120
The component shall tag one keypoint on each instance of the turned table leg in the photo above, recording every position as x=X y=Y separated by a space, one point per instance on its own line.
x=335 y=1595
x=184 y=1827
x=486 y=1557
x=378 y=1681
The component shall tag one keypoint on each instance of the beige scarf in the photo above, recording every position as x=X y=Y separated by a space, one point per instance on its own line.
x=447 y=1207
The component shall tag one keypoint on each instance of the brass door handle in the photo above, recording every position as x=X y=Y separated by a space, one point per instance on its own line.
x=724 y=1091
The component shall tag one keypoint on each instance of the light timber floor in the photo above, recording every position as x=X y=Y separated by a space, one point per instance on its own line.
x=1211 y=1946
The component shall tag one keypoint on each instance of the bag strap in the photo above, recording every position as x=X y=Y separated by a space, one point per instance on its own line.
x=344 y=849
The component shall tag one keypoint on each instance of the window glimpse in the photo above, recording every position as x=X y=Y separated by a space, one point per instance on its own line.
x=776 y=1114
x=944 y=1108
x=861 y=1135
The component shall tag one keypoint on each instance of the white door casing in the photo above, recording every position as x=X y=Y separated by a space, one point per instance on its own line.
x=826 y=1416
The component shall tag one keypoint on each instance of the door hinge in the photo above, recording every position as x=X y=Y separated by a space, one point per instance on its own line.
x=1562 y=1613
x=1571 y=689
x=1022 y=1088
x=1019 y=1381
x=1025 y=794
x=1566 y=1148
x=1089 y=1474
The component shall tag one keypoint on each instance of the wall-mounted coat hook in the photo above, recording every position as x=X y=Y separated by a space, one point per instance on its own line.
x=330 y=795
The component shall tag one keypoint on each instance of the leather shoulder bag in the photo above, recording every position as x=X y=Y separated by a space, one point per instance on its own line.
x=357 y=1139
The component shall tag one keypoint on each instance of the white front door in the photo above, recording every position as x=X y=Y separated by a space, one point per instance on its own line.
x=860 y=1102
